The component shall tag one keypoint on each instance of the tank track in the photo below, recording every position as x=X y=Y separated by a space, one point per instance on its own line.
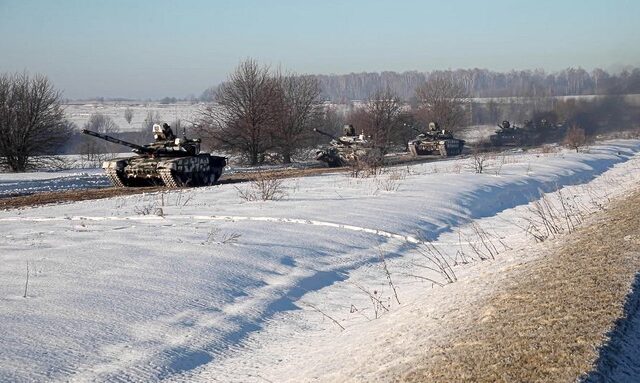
x=173 y=180
x=169 y=178
x=115 y=178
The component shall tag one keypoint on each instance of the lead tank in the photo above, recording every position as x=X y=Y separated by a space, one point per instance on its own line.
x=436 y=141
x=348 y=149
x=168 y=161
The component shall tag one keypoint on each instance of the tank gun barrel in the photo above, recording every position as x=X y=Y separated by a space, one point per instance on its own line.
x=324 y=133
x=137 y=148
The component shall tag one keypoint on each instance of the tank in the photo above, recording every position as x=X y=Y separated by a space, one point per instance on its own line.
x=168 y=161
x=436 y=141
x=509 y=135
x=542 y=131
x=348 y=149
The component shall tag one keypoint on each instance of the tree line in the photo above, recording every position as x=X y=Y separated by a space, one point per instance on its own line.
x=257 y=112
x=483 y=83
x=260 y=113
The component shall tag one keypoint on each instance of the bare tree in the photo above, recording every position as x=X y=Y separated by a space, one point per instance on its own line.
x=151 y=119
x=128 y=115
x=442 y=99
x=298 y=109
x=94 y=149
x=242 y=117
x=575 y=138
x=360 y=119
x=381 y=119
x=32 y=122
x=383 y=109
x=493 y=111
x=101 y=123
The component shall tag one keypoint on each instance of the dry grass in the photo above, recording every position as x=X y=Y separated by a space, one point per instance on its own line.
x=264 y=187
x=70 y=196
x=546 y=325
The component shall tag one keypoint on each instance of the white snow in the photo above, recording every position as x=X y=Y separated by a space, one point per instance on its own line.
x=79 y=113
x=27 y=183
x=219 y=289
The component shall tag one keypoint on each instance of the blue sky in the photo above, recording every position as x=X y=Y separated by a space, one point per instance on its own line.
x=156 y=48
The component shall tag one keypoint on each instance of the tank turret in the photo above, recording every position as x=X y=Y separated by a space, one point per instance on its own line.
x=168 y=161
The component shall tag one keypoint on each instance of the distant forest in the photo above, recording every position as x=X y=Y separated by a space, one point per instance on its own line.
x=480 y=83
x=486 y=83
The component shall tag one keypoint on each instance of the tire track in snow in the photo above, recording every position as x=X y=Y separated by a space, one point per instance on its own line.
x=227 y=218
x=235 y=218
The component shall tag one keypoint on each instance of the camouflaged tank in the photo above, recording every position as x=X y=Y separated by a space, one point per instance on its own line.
x=348 y=149
x=543 y=131
x=509 y=135
x=436 y=141
x=168 y=161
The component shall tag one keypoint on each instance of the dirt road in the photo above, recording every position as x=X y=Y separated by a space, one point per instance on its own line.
x=550 y=321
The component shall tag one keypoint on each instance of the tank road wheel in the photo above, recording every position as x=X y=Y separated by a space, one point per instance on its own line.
x=214 y=176
x=196 y=179
x=175 y=180
x=169 y=178
x=116 y=178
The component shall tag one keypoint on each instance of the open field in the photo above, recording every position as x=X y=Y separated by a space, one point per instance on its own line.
x=80 y=112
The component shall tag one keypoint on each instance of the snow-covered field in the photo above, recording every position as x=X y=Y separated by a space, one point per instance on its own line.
x=201 y=285
x=79 y=113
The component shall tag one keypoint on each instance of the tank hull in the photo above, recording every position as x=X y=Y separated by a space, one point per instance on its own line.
x=444 y=148
x=337 y=157
x=200 y=170
x=508 y=139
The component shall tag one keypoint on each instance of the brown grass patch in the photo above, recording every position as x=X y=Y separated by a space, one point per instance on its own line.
x=547 y=325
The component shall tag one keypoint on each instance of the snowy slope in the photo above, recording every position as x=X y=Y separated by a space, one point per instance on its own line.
x=117 y=294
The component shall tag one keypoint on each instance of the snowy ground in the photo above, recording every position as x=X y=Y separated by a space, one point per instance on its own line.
x=26 y=183
x=220 y=289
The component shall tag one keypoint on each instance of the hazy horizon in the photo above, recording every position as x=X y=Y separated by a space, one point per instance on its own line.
x=152 y=49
